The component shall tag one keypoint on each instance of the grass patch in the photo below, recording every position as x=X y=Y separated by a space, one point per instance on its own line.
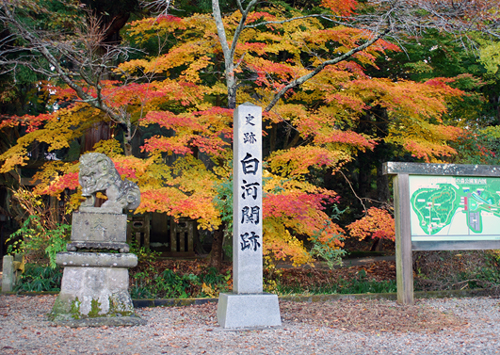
x=150 y=283
x=327 y=282
x=343 y=288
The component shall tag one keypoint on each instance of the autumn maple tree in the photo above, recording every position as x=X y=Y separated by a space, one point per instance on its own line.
x=309 y=70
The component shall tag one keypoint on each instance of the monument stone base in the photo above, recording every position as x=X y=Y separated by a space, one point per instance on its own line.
x=243 y=311
x=94 y=290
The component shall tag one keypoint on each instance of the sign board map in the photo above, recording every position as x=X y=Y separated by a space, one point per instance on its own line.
x=454 y=208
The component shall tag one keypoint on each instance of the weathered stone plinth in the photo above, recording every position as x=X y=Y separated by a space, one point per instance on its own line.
x=94 y=290
x=83 y=259
x=99 y=225
x=247 y=311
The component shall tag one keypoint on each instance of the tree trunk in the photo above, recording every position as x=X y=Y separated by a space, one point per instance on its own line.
x=231 y=89
x=99 y=131
x=216 y=254
x=383 y=192
x=273 y=137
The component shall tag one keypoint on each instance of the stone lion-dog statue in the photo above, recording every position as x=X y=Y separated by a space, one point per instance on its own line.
x=98 y=174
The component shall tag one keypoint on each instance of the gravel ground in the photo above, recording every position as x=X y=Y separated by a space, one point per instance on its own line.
x=455 y=326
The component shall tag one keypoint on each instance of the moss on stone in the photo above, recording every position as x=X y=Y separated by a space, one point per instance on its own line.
x=65 y=307
x=75 y=309
x=95 y=309
x=120 y=306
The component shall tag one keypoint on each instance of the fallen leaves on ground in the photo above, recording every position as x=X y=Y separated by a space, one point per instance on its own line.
x=370 y=316
x=307 y=277
x=367 y=316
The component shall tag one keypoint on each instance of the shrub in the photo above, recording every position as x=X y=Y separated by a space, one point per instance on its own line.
x=39 y=279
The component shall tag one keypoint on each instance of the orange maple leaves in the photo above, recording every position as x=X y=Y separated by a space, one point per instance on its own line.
x=340 y=7
x=207 y=130
x=377 y=223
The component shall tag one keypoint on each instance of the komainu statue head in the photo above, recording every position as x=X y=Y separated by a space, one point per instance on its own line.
x=98 y=174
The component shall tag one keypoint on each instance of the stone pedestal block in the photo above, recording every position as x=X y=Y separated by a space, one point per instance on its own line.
x=98 y=227
x=85 y=259
x=94 y=291
x=243 y=311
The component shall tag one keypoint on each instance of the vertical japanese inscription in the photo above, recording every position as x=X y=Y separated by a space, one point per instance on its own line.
x=247 y=212
x=250 y=213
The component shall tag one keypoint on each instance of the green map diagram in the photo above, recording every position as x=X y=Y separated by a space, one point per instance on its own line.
x=460 y=206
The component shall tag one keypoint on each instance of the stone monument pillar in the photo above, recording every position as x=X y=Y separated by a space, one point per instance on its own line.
x=247 y=306
x=8 y=276
x=94 y=287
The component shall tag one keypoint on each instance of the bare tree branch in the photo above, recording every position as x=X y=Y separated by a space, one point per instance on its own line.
x=297 y=82
x=161 y=7
x=85 y=50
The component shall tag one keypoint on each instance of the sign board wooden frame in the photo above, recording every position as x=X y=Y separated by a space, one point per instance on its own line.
x=403 y=173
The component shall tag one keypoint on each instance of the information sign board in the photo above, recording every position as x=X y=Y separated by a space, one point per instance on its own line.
x=442 y=207
x=454 y=208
